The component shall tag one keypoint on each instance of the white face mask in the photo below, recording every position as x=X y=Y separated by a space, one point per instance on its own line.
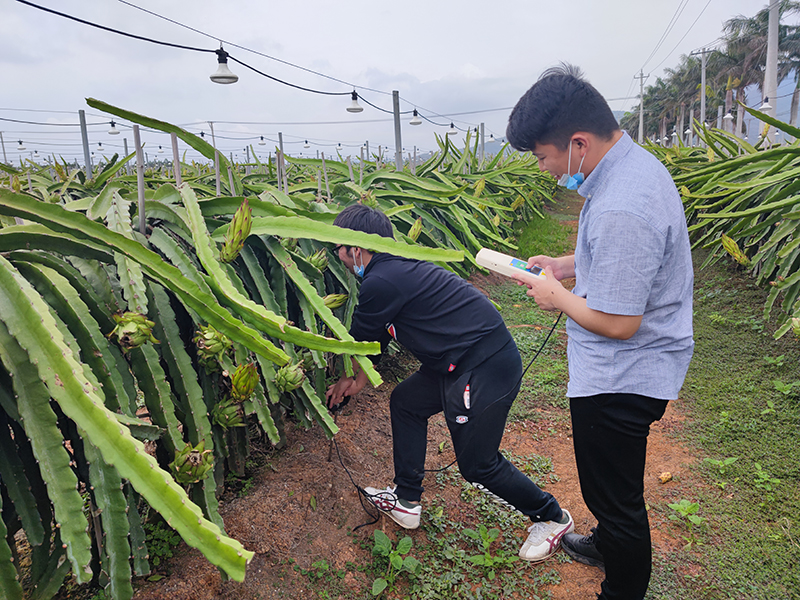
x=571 y=182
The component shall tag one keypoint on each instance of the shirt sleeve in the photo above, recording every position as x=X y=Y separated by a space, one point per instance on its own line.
x=379 y=302
x=627 y=253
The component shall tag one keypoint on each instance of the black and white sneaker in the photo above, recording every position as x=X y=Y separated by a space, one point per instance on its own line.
x=400 y=511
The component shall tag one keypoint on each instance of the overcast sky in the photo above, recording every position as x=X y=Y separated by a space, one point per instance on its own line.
x=447 y=58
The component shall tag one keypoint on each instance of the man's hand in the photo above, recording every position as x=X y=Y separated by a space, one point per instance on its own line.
x=544 y=291
x=346 y=386
x=563 y=267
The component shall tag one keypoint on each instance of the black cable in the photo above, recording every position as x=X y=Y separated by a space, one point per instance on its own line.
x=299 y=87
x=390 y=503
x=53 y=124
x=246 y=49
x=103 y=27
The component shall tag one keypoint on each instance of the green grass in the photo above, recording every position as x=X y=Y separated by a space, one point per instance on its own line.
x=543 y=236
x=736 y=410
x=741 y=399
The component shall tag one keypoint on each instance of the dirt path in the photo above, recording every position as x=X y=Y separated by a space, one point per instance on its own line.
x=303 y=506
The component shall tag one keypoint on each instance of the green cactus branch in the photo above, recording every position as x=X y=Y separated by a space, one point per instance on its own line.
x=32 y=326
x=300 y=227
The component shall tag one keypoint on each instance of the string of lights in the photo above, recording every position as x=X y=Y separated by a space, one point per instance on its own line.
x=224 y=75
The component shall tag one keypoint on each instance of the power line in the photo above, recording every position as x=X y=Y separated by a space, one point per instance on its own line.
x=112 y=30
x=226 y=55
x=240 y=47
x=684 y=35
x=678 y=11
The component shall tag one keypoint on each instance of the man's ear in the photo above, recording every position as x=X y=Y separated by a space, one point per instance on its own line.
x=582 y=140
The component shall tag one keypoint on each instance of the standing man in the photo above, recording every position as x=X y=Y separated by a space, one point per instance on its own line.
x=471 y=370
x=630 y=313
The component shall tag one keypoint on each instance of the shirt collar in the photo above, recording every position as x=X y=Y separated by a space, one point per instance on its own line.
x=599 y=174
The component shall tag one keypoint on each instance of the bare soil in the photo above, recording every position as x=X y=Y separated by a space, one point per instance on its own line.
x=303 y=507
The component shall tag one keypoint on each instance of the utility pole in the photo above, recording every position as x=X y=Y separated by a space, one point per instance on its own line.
x=85 y=139
x=771 y=68
x=483 y=150
x=641 y=77
x=702 y=54
x=2 y=143
x=398 y=144
x=703 y=87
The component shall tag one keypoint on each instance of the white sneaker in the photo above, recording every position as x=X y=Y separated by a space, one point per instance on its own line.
x=389 y=504
x=544 y=537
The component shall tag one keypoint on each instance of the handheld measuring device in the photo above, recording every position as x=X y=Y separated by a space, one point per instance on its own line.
x=505 y=264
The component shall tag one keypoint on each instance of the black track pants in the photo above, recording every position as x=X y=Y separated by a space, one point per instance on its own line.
x=610 y=438
x=476 y=431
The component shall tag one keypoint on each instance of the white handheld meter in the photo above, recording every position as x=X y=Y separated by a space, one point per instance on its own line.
x=505 y=264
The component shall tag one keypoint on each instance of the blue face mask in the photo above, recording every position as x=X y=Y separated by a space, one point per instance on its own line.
x=571 y=182
x=358 y=269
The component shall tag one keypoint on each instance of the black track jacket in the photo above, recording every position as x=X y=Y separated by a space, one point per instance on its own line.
x=445 y=322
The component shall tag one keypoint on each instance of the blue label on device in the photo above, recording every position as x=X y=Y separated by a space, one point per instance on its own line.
x=515 y=262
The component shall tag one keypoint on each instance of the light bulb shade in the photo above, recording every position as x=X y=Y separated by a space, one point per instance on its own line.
x=306 y=145
x=21 y=145
x=688 y=131
x=728 y=116
x=415 y=120
x=160 y=150
x=665 y=140
x=354 y=105
x=766 y=105
x=262 y=142
x=223 y=73
x=113 y=130
x=452 y=130
x=491 y=137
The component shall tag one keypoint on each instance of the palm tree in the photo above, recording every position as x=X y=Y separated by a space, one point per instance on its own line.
x=746 y=50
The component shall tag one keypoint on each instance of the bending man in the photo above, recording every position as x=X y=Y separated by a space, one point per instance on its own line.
x=471 y=369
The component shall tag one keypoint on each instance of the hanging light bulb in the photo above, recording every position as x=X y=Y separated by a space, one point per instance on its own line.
x=665 y=140
x=202 y=134
x=21 y=146
x=99 y=146
x=688 y=131
x=339 y=147
x=766 y=105
x=354 y=107
x=491 y=137
x=262 y=142
x=728 y=116
x=306 y=145
x=113 y=130
x=452 y=130
x=223 y=73
x=36 y=153
x=415 y=120
x=160 y=150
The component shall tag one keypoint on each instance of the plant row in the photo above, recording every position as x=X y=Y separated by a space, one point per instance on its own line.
x=743 y=201
x=138 y=366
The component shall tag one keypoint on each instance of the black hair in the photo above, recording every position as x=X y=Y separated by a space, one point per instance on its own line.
x=363 y=218
x=560 y=103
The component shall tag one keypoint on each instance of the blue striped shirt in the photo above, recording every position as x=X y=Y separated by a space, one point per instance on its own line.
x=632 y=257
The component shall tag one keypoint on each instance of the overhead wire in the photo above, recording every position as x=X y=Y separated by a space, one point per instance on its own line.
x=678 y=11
x=245 y=48
x=684 y=35
x=232 y=58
